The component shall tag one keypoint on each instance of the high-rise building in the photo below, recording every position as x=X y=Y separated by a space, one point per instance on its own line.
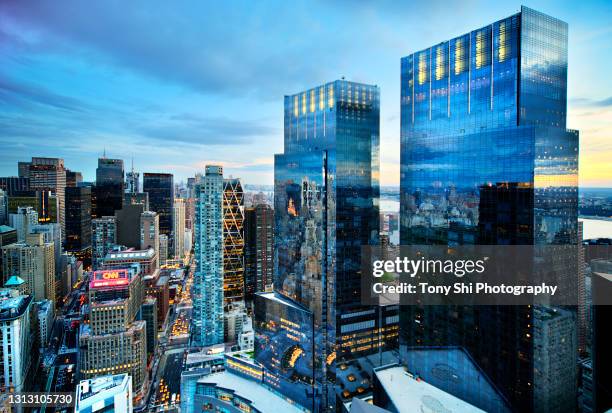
x=114 y=342
x=51 y=234
x=78 y=222
x=148 y=314
x=3 y=207
x=50 y=174
x=8 y=235
x=486 y=159
x=24 y=219
x=44 y=202
x=258 y=249
x=15 y=340
x=103 y=239
x=207 y=290
x=179 y=228
x=325 y=209
x=160 y=188
x=163 y=249
x=136 y=198
x=233 y=241
x=108 y=192
x=128 y=225
x=105 y=394
x=149 y=231
x=13 y=184
x=34 y=261
x=73 y=178
x=132 y=181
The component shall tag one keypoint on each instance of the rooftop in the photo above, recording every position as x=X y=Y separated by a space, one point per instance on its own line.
x=12 y=305
x=91 y=387
x=409 y=394
x=261 y=397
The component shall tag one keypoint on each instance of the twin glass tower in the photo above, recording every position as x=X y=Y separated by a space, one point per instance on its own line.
x=485 y=159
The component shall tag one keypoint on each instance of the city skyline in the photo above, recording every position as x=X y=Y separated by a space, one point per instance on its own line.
x=198 y=91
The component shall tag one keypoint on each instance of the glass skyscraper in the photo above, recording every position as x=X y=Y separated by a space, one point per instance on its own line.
x=108 y=192
x=160 y=187
x=486 y=159
x=326 y=208
x=207 y=290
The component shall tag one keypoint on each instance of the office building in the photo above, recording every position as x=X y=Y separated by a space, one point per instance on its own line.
x=15 y=340
x=8 y=235
x=233 y=241
x=111 y=393
x=22 y=221
x=258 y=249
x=132 y=181
x=78 y=222
x=486 y=159
x=34 y=261
x=207 y=290
x=73 y=178
x=15 y=282
x=148 y=314
x=44 y=202
x=114 y=342
x=128 y=225
x=179 y=228
x=326 y=207
x=12 y=185
x=601 y=375
x=45 y=313
x=3 y=207
x=103 y=239
x=51 y=234
x=108 y=191
x=145 y=258
x=149 y=230
x=49 y=174
x=136 y=198
x=163 y=249
x=160 y=188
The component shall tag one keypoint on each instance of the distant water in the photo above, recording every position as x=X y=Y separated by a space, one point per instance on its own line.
x=593 y=228
x=389 y=205
x=596 y=228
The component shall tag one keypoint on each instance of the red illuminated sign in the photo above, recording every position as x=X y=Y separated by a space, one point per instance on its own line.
x=109 y=278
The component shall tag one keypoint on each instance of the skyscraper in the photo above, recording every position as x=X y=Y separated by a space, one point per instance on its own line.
x=149 y=232
x=108 y=192
x=73 y=178
x=207 y=290
x=160 y=188
x=50 y=174
x=24 y=219
x=114 y=342
x=233 y=241
x=3 y=207
x=103 y=239
x=325 y=209
x=258 y=249
x=78 y=222
x=179 y=228
x=486 y=159
x=15 y=340
x=34 y=261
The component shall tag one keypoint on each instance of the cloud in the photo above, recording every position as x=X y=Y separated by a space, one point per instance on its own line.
x=19 y=93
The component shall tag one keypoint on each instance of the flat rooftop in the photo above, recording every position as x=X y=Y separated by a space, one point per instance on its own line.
x=261 y=397
x=409 y=394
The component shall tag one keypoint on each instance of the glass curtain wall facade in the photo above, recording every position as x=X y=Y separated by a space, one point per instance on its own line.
x=160 y=188
x=233 y=241
x=486 y=159
x=207 y=290
x=326 y=207
x=108 y=192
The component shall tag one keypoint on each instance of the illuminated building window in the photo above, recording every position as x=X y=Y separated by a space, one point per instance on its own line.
x=330 y=97
x=459 y=56
x=321 y=98
x=440 y=63
x=422 y=68
x=312 y=100
x=303 y=103
x=295 y=106
x=503 y=40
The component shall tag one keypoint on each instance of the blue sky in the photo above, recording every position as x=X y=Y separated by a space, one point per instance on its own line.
x=176 y=85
